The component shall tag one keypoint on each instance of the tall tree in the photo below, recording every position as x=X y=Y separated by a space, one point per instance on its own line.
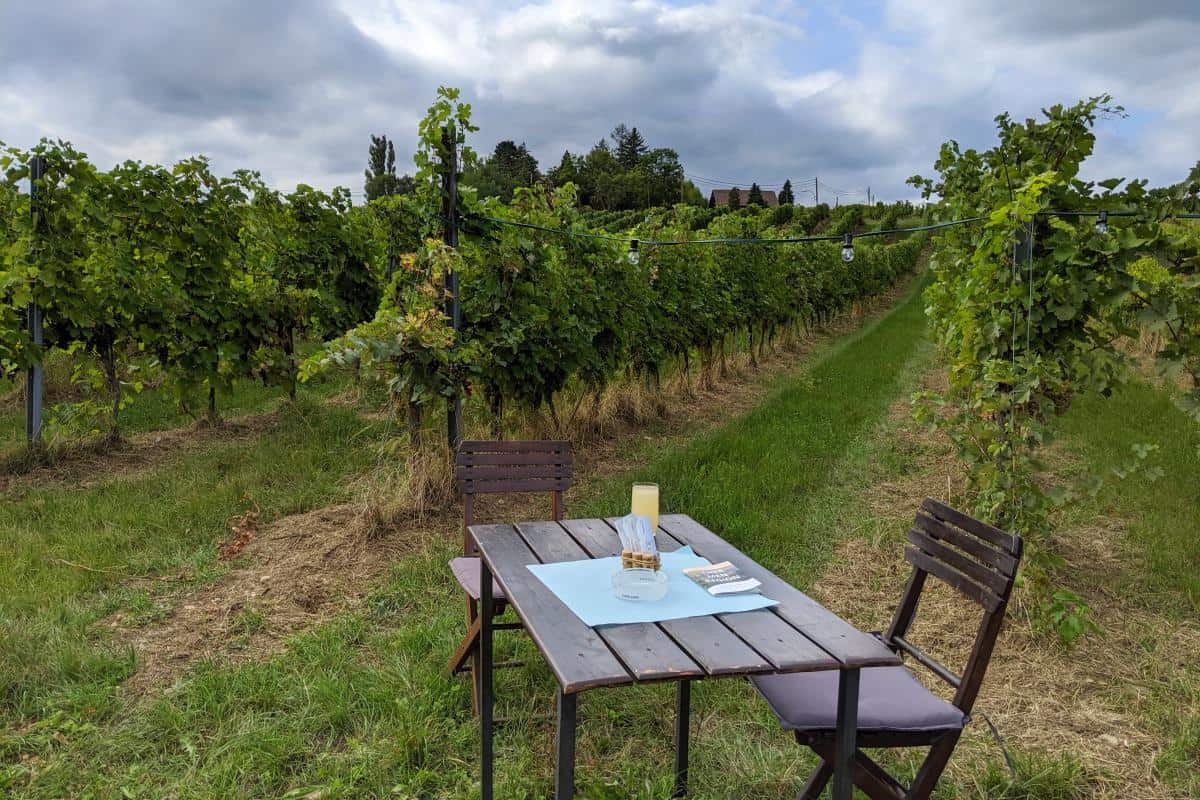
x=692 y=196
x=599 y=178
x=735 y=198
x=658 y=179
x=630 y=146
x=509 y=166
x=566 y=172
x=515 y=161
x=618 y=135
x=381 y=178
x=786 y=196
x=755 y=197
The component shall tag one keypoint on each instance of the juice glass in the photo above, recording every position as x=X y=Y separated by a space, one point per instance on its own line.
x=644 y=502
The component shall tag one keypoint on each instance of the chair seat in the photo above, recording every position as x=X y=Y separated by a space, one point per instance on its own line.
x=466 y=571
x=890 y=699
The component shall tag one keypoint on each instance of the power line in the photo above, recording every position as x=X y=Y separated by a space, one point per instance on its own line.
x=706 y=179
x=739 y=184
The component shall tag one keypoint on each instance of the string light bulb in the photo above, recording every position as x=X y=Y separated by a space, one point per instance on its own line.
x=848 y=248
x=1102 y=223
x=633 y=252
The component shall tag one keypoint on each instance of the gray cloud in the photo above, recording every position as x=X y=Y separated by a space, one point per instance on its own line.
x=293 y=87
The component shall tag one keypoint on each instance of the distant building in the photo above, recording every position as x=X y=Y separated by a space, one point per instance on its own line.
x=720 y=197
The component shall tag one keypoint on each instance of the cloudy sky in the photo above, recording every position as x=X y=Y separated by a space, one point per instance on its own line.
x=858 y=92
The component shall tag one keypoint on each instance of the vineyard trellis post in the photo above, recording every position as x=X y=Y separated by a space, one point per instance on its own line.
x=450 y=235
x=35 y=375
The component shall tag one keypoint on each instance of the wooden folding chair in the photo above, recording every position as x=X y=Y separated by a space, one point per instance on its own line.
x=499 y=468
x=895 y=709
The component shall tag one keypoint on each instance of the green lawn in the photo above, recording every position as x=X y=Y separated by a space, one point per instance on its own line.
x=1163 y=532
x=1160 y=543
x=359 y=707
x=155 y=409
x=144 y=523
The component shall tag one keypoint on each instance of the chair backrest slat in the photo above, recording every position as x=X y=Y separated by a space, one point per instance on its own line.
x=510 y=458
x=480 y=475
x=495 y=467
x=941 y=550
x=990 y=533
x=557 y=447
x=938 y=569
x=516 y=485
x=980 y=561
x=492 y=467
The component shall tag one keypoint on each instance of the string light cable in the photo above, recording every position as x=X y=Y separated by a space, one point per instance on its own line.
x=1102 y=216
x=727 y=240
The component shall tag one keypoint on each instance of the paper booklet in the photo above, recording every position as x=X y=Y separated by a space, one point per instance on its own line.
x=722 y=578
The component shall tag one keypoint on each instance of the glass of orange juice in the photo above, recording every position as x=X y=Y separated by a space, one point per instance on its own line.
x=644 y=502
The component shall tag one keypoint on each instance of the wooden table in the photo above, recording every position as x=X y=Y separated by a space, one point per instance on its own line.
x=797 y=635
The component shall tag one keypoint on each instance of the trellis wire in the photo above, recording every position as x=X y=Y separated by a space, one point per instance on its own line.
x=791 y=239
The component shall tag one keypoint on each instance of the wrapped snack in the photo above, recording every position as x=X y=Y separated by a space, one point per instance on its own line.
x=638 y=548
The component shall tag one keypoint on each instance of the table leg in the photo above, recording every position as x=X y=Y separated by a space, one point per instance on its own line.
x=846 y=736
x=485 y=680
x=564 y=747
x=683 y=718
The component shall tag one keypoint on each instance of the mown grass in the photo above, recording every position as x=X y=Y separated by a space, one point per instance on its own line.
x=1102 y=433
x=359 y=707
x=157 y=408
x=69 y=552
x=1160 y=544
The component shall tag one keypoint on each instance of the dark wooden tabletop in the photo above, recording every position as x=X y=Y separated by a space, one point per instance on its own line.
x=797 y=635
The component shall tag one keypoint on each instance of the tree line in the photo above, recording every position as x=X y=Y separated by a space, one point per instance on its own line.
x=620 y=172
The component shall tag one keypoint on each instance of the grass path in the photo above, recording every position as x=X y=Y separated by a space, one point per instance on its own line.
x=814 y=480
x=1154 y=533
x=358 y=706
x=73 y=554
x=1158 y=537
x=779 y=482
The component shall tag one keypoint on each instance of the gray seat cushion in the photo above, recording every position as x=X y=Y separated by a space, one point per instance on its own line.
x=466 y=571
x=889 y=699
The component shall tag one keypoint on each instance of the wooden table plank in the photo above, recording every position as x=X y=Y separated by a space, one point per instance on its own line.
x=595 y=536
x=850 y=646
x=577 y=656
x=708 y=641
x=786 y=648
x=645 y=650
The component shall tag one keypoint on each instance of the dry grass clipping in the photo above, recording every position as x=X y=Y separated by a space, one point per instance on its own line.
x=1089 y=702
x=297 y=570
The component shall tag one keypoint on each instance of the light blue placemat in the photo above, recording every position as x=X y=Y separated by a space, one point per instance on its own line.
x=586 y=588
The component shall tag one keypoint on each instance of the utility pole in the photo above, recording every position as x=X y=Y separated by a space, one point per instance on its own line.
x=869 y=196
x=35 y=377
x=816 y=191
x=450 y=235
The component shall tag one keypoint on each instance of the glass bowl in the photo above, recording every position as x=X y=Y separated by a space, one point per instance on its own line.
x=639 y=584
